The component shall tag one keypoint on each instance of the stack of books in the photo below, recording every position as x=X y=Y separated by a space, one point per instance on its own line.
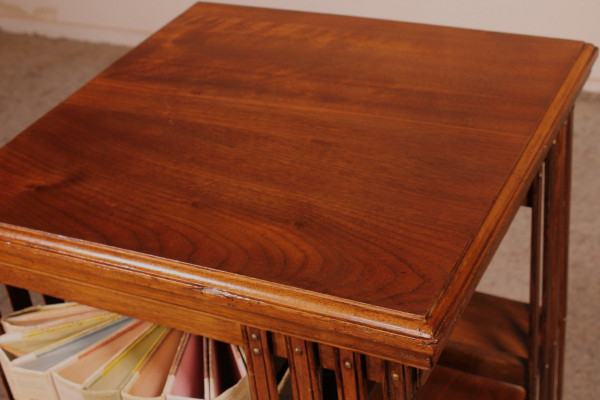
x=70 y=351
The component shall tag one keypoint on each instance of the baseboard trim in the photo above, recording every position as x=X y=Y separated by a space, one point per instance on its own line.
x=126 y=37
x=75 y=31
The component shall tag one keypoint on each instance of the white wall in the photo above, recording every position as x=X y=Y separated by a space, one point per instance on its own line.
x=130 y=21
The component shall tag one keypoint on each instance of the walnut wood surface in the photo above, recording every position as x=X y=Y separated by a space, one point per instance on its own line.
x=342 y=180
x=490 y=340
x=448 y=384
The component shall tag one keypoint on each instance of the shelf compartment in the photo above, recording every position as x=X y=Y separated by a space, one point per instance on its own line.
x=490 y=340
x=450 y=384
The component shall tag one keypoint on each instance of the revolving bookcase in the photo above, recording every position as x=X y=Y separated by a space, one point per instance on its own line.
x=323 y=189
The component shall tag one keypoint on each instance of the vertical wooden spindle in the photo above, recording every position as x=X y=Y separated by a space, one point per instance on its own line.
x=394 y=385
x=353 y=374
x=565 y=201
x=554 y=250
x=306 y=382
x=261 y=369
x=535 y=196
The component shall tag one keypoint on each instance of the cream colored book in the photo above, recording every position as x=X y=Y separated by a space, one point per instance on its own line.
x=17 y=344
x=151 y=380
x=108 y=383
x=70 y=377
x=284 y=386
x=29 y=376
x=33 y=373
x=176 y=363
x=44 y=316
x=14 y=344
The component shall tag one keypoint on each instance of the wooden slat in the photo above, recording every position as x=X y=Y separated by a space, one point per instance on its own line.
x=261 y=370
x=393 y=382
x=353 y=375
x=534 y=294
x=554 y=268
x=306 y=383
x=565 y=202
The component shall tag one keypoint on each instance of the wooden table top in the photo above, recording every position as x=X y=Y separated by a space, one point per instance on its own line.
x=348 y=175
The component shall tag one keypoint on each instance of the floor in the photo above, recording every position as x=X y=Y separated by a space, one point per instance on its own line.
x=37 y=73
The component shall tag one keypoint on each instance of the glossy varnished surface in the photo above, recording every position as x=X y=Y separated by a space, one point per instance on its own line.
x=353 y=158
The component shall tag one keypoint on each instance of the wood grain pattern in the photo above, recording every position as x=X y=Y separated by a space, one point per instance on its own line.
x=448 y=384
x=341 y=180
x=261 y=370
x=491 y=340
x=304 y=371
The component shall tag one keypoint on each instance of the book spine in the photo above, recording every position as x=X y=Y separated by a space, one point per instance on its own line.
x=5 y=363
x=33 y=385
x=65 y=389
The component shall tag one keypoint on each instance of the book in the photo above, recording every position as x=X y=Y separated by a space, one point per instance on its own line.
x=75 y=352
x=221 y=365
x=31 y=374
x=19 y=343
x=152 y=379
x=231 y=374
x=108 y=383
x=225 y=371
x=43 y=316
x=191 y=365
x=70 y=377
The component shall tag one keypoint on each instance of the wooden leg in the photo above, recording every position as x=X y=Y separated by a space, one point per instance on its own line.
x=261 y=369
x=567 y=144
x=556 y=221
x=535 y=196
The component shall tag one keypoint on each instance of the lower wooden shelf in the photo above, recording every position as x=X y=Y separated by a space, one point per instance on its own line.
x=490 y=340
x=450 y=384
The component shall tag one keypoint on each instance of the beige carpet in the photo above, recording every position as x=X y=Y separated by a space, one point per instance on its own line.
x=37 y=73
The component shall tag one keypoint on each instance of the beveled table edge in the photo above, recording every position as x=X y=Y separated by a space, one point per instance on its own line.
x=470 y=268
x=386 y=333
